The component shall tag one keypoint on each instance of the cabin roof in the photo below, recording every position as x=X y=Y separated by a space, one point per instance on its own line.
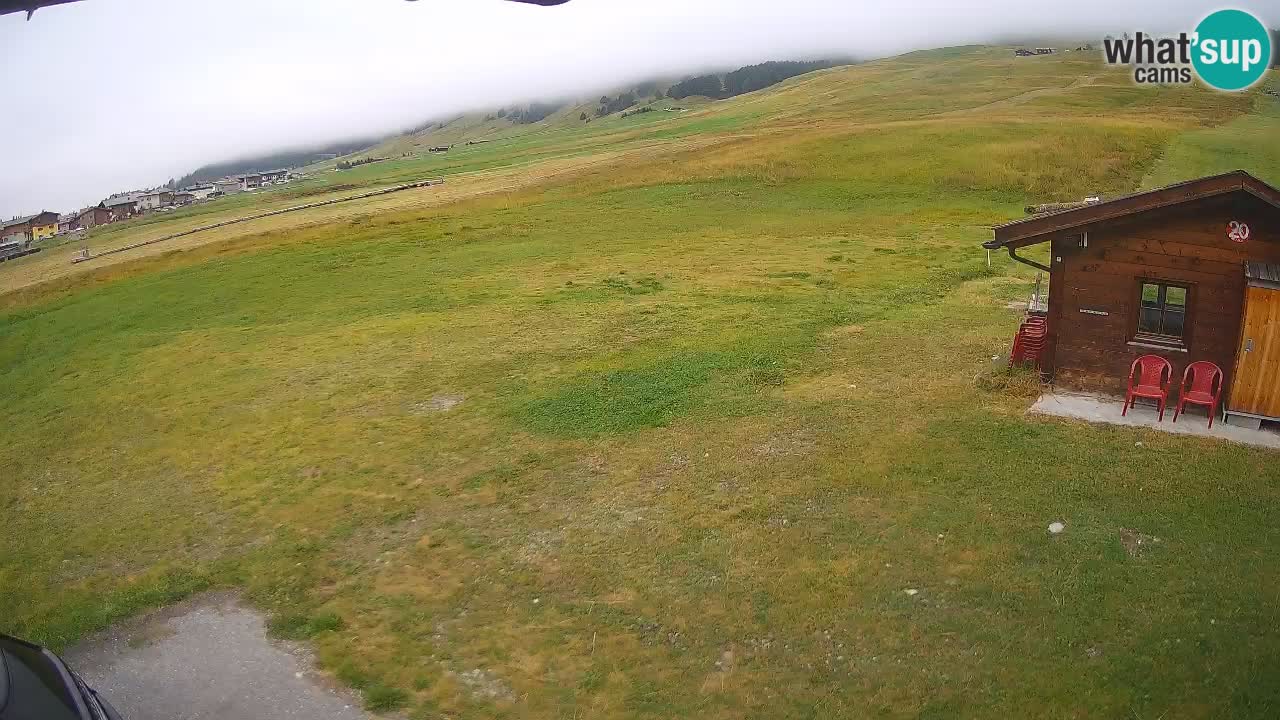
x=1036 y=229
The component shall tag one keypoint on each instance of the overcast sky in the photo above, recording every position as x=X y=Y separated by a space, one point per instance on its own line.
x=108 y=95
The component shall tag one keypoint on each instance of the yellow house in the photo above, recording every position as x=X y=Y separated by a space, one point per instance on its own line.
x=30 y=227
x=39 y=232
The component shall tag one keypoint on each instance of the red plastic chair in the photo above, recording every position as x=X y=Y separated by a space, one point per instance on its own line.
x=1149 y=377
x=1201 y=385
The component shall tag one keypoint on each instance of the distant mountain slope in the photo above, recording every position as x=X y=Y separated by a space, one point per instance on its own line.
x=273 y=161
x=747 y=79
x=655 y=94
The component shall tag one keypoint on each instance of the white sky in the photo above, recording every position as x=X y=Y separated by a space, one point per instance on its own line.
x=107 y=95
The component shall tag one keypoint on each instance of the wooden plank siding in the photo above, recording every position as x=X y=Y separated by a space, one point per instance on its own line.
x=1186 y=244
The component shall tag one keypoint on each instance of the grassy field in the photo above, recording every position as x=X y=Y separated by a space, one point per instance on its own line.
x=658 y=417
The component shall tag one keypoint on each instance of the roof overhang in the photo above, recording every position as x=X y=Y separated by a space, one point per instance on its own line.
x=1040 y=228
x=27 y=6
x=30 y=6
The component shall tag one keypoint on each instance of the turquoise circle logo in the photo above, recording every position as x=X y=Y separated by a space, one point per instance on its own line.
x=1232 y=50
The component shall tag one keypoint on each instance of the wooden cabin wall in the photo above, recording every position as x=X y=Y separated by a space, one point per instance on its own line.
x=1187 y=244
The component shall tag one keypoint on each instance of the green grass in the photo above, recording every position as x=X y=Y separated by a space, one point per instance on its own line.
x=712 y=407
x=1245 y=143
x=381 y=698
x=301 y=627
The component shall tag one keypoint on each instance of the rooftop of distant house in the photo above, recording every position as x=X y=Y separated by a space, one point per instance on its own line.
x=21 y=220
x=16 y=221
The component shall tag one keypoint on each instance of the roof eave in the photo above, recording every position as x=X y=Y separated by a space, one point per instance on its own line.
x=1031 y=231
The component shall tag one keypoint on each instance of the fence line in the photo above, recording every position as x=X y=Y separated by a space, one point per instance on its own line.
x=84 y=255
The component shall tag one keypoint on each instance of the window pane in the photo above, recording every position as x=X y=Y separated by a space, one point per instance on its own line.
x=1149 y=321
x=1162 y=312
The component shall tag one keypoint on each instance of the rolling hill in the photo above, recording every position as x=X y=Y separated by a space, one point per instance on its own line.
x=682 y=414
x=654 y=95
x=273 y=161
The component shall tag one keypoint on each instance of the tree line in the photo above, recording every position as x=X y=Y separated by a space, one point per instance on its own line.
x=526 y=115
x=747 y=79
x=272 y=161
x=348 y=164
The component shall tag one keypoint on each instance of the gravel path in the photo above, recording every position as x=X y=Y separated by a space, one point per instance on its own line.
x=207 y=658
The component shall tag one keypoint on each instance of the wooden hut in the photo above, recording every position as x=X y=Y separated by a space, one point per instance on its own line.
x=1187 y=272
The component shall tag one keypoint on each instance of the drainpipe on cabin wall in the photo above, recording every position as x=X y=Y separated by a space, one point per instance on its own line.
x=1045 y=363
x=1014 y=254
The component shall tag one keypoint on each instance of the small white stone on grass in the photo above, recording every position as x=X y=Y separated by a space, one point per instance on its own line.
x=1056 y=527
x=911 y=591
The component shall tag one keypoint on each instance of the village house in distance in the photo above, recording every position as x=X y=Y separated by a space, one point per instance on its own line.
x=30 y=227
x=18 y=234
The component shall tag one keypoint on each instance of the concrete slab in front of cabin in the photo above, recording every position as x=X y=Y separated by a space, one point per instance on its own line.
x=1104 y=409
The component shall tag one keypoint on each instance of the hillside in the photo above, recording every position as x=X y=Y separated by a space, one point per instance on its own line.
x=682 y=414
x=273 y=161
x=654 y=95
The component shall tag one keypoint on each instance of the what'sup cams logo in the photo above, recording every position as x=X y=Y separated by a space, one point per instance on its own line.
x=1230 y=50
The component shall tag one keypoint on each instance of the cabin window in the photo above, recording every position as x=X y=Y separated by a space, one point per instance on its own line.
x=1162 y=312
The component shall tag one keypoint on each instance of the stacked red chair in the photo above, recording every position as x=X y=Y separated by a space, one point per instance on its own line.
x=1028 y=344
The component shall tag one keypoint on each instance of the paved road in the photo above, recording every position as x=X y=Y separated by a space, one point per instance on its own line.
x=207 y=659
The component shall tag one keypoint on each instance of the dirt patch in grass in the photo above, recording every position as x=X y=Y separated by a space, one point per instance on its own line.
x=845 y=331
x=437 y=403
x=1136 y=543
x=484 y=685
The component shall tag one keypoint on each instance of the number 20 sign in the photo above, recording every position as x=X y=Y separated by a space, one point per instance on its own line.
x=1237 y=231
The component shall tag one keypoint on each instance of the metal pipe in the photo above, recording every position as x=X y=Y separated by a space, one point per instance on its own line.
x=1014 y=254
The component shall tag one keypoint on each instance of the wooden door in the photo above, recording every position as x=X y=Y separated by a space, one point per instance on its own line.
x=1255 y=389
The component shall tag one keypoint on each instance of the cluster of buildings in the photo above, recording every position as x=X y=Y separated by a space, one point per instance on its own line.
x=17 y=234
x=29 y=227
x=122 y=206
